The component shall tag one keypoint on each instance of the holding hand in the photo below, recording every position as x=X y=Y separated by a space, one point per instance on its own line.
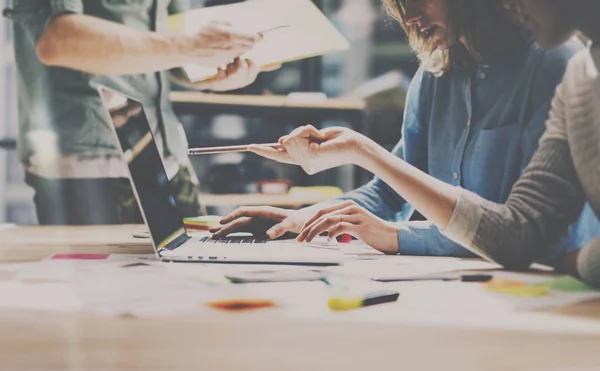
x=236 y=75
x=217 y=44
x=348 y=217
x=316 y=150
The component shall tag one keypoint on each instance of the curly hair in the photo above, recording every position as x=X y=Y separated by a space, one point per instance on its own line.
x=485 y=27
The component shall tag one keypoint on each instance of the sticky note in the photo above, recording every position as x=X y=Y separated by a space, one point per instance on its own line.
x=81 y=256
x=515 y=288
x=570 y=284
x=201 y=223
x=344 y=238
x=238 y=305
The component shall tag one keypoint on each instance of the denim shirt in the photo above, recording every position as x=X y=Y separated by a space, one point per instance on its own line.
x=65 y=102
x=478 y=131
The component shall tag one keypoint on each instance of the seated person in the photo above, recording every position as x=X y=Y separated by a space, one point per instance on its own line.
x=474 y=114
x=550 y=194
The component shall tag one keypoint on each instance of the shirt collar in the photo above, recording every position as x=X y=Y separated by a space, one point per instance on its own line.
x=526 y=41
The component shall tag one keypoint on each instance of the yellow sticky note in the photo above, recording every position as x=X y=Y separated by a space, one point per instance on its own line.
x=516 y=288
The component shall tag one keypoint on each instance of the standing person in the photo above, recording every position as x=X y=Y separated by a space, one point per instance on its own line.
x=550 y=194
x=63 y=50
x=474 y=114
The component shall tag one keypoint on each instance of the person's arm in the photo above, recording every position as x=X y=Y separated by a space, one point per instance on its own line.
x=378 y=197
x=98 y=46
x=545 y=200
x=65 y=37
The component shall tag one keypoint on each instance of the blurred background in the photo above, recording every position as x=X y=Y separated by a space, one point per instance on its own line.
x=377 y=70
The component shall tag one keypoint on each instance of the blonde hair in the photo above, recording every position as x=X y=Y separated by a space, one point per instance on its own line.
x=486 y=27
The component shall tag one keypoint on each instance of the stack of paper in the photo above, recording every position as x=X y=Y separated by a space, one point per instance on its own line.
x=298 y=30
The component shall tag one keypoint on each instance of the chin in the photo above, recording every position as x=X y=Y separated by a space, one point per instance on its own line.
x=441 y=45
x=551 y=39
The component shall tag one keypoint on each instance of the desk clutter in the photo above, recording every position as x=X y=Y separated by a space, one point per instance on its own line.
x=398 y=289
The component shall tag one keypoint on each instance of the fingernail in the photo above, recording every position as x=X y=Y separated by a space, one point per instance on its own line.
x=271 y=233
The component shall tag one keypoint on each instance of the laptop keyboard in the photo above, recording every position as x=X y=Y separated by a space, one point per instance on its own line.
x=231 y=240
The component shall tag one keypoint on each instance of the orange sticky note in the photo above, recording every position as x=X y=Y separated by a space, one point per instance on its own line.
x=238 y=305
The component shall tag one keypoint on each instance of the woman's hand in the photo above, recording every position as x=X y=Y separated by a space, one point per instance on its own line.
x=348 y=217
x=273 y=222
x=316 y=150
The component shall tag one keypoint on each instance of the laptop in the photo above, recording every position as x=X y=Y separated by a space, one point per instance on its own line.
x=163 y=219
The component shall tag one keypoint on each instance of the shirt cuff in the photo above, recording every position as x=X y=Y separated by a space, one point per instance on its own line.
x=410 y=242
x=463 y=225
x=66 y=6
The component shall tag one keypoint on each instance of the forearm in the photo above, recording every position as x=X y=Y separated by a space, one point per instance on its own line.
x=433 y=198
x=98 y=46
x=422 y=238
x=542 y=204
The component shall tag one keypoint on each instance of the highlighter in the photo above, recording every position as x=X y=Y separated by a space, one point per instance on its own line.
x=347 y=303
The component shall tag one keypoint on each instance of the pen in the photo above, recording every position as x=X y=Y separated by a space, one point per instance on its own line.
x=476 y=277
x=273 y=28
x=343 y=303
x=227 y=149
x=443 y=277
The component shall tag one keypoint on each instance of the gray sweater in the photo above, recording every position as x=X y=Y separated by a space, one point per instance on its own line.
x=549 y=196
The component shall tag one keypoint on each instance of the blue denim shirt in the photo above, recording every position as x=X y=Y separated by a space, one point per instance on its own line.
x=477 y=130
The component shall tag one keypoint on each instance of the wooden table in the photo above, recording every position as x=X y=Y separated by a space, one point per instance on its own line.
x=264 y=340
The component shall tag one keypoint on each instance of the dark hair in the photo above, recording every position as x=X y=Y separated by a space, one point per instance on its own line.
x=487 y=28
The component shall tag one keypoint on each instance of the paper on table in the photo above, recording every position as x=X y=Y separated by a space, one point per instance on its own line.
x=307 y=31
x=58 y=297
x=65 y=270
x=4 y=227
x=403 y=267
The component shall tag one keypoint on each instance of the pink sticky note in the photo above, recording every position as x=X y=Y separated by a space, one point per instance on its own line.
x=81 y=256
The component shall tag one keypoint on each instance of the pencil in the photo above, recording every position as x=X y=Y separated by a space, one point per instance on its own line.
x=227 y=149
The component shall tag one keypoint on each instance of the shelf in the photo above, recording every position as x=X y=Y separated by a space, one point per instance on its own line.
x=393 y=50
x=262 y=199
x=266 y=101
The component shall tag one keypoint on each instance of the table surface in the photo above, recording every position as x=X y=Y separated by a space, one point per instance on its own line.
x=268 y=339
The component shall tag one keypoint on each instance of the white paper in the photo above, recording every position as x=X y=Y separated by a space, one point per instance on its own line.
x=4 y=227
x=57 y=297
x=402 y=268
x=307 y=33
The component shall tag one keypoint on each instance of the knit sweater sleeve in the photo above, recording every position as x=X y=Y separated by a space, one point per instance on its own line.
x=542 y=204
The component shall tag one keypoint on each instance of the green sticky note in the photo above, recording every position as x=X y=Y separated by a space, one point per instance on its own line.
x=570 y=284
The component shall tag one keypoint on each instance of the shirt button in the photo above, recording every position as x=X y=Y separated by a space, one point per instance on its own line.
x=483 y=75
x=455 y=175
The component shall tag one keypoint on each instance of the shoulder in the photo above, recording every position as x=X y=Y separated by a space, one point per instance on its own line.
x=582 y=68
x=554 y=62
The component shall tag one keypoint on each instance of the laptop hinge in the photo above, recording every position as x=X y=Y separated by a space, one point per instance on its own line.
x=175 y=243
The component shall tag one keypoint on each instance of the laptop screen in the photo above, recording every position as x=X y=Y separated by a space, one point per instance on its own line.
x=147 y=173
